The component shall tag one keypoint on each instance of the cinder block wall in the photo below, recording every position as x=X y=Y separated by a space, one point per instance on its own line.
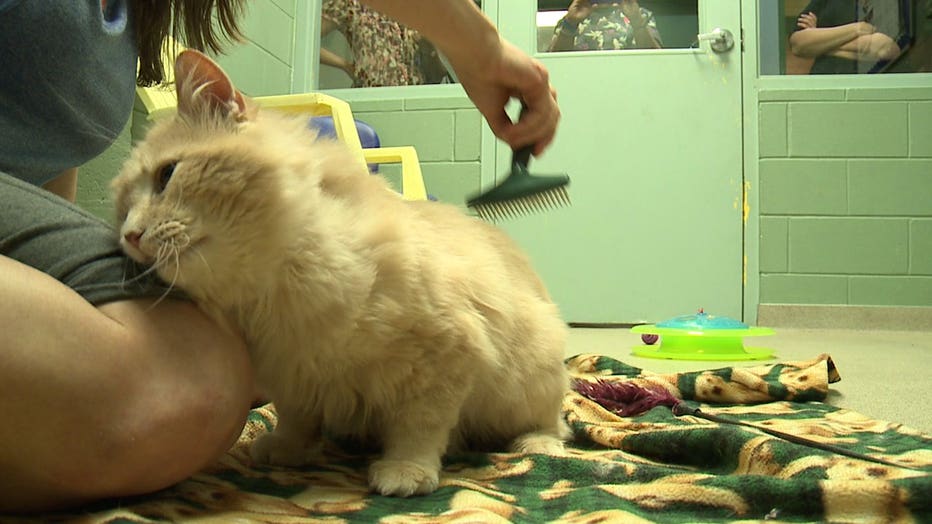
x=446 y=132
x=846 y=196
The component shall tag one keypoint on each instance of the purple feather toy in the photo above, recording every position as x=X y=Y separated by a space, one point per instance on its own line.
x=625 y=399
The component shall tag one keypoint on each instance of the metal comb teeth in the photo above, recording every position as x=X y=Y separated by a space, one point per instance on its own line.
x=507 y=209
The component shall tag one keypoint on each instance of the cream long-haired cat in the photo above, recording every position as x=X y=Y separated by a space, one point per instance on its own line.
x=406 y=324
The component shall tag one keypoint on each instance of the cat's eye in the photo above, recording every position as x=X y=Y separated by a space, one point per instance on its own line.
x=165 y=175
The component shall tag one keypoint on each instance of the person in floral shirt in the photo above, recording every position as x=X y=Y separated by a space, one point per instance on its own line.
x=593 y=25
x=385 y=53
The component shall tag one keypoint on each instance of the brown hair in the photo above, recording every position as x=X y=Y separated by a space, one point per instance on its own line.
x=206 y=25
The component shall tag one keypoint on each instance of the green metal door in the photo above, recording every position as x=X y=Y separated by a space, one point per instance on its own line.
x=652 y=141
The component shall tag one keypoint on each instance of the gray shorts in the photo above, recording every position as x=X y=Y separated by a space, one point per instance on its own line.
x=78 y=249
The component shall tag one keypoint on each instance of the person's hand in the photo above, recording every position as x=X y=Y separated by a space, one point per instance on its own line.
x=510 y=73
x=491 y=70
x=632 y=11
x=807 y=21
x=866 y=28
x=578 y=11
x=349 y=67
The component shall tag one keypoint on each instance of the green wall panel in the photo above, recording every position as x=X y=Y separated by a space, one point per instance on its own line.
x=844 y=214
x=920 y=247
x=94 y=177
x=468 y=134
x=847 y=129
x=889 y=93
x=445 y=181
x=450 y=181
x=262 y=65
x=890 y=187
x=795 y=95
x=848 y=245
x=433 y=103
x=376 y=105
x=438 y=121
x=256 y=72
x=803 y=289
x=891 y=291
x=920 y=129
x=773 y=242
x=772 y=136
x=271 y=28
x=431 y=132
x=288 y=6
x=803 y=187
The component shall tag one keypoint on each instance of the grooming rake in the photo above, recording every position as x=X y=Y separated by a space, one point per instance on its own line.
x=521 y=192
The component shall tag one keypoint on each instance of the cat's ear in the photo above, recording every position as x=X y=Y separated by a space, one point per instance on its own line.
x=204 y=87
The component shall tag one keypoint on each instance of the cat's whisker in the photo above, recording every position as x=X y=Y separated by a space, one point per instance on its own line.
x=126 y=263
x=185 y=240
x=143 y=274
x=160 y=255
x=203 y=259
x=170 y=250
x=177 y=253
x=180 y=192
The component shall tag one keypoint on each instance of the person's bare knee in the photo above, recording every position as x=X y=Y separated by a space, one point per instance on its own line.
x=152 y=397
x=188 y=401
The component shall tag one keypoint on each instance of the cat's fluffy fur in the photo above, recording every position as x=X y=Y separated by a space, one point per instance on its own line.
x=407 y=324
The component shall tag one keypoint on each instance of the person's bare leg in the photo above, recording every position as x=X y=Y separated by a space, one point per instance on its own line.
x=117 y=400
x=64 y=185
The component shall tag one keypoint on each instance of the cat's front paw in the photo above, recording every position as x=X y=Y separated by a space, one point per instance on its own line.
x=402 y=478
x=277 y=450
x=538 y=443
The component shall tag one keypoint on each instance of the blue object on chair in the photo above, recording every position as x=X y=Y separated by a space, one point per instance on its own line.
x=367 y=135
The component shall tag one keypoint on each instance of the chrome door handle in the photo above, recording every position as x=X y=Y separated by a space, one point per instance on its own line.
x=720 y=40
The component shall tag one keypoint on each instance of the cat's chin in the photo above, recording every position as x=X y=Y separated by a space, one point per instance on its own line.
x=136 y=254
x=169 y=269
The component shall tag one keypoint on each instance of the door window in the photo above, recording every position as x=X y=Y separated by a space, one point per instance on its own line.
x=601 y=25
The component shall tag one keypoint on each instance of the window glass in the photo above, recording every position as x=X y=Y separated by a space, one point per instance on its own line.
x=800 y=37
x=601 y=25
x=360 y=47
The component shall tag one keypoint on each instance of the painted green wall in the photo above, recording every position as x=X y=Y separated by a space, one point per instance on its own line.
x=264 y=64
x=841 y=169
x=845 y=194
x=94 y=177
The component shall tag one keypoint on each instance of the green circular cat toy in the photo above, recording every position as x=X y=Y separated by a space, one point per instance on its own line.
x=700 y=337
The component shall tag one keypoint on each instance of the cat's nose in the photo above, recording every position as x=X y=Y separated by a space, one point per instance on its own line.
x=132 y=238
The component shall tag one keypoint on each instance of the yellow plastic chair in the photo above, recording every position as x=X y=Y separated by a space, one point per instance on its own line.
x=319 y=104
x=412 y=182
